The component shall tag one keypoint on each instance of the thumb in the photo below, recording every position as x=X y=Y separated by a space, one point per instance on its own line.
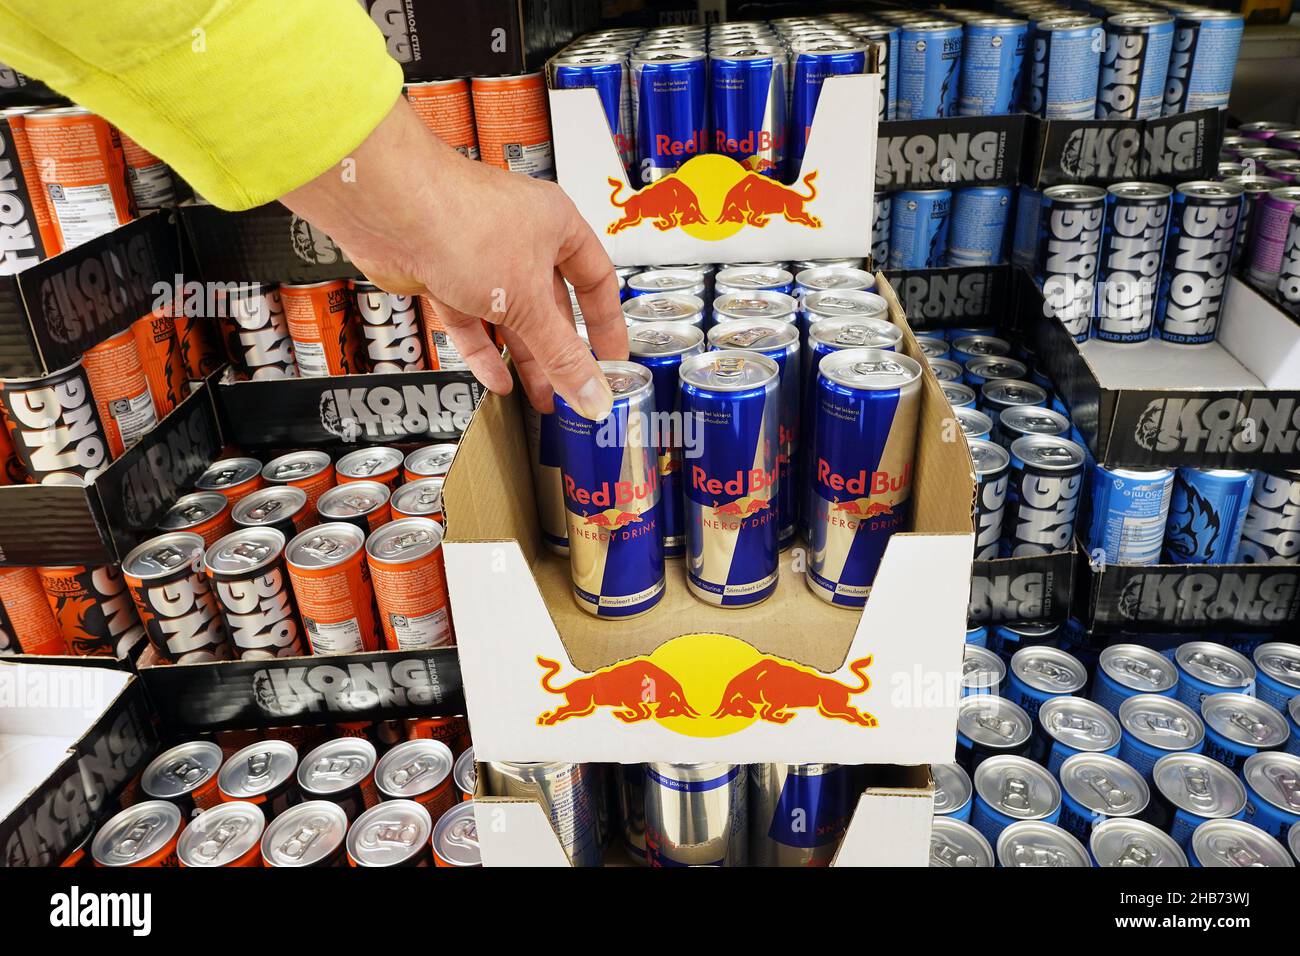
x=567 y=361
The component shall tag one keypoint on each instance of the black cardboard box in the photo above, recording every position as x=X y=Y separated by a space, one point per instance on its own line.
x=1035 y=589
x=949 y=153
x=264 y=244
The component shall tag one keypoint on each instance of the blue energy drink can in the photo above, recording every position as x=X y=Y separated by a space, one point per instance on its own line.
x=863 y=446
x=1129 y=512
x=1024 y=243
x=1277 y=678
x=1198 y=256
x=980 y=371
x=1043 y=495
x=1062 y=67
x=1192 y=789
x=1126 y=670
x=1273 y=792
x=745 y=279
x=1009 y=789
x=1207 y=513
x=1069 y=725
x=1070 y=220
x=670 y=103
x=918 y=235
x=1203 y=59
x=975 y=425
x=884 y=37
x=1237 y=727
x=1206 y=668
x=882 y=219
x=989 y=726
x=611 y=495
x=1038 y=674
x=953 y=791
x=779 y=341
x=609 y=74
x=1132 y=251
x=660 y=347
x=991 y=463
x=1133 y=68
x=1096 y=787
x=929 y=69
x=978 y=233
x=732 y=482
x=1272 y=531
x=798 y=812
x=977 y=636
x=1153 y=726
x=747 y=88
x=814 y=61
x=992 y=65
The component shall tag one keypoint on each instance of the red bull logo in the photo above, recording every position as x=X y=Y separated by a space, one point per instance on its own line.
x=862 y=508
x=612 y=494
x=708 y=685
x=864 y=482
x=741 y=483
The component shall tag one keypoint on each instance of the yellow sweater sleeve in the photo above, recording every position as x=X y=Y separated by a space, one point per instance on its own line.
x=246 y=99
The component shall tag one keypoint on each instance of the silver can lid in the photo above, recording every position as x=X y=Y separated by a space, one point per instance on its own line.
x=305 y=834
x=1206 y=189
x=455 y=836
x=973 y=422
x=989 y=346
x=956 y=394
x=465 y=772
x=389 y=833
x=404 y=540
x=325 y=545
x=997 y=366
x=1161 y=722
x=1245 y=720
x=1079 y=724
x=1236 y=843
x=870 y=369
x=296 y=466
x=1033 y=420
x=258 y=769
x=136 y=834
x=1275 y=777
x=653 y=339
x=192 y=509
x=160 y=557
x=1008 y=392
x=946 y=370
x=1199 y=785
x=1033 y=843
x=1215 y=664
x=181 y=769
x=368 y=462
x=1293 y=840
x=413 y=768
x=1138 y=190
x=987 y=457
x=855 y=332
x=758 y=304
x=352 y=499
x=981 y=668
x=654 y=281
x=820 y=278
x=1138 y=668
x=1049 y=670
x=758 y=335
x=1070 y=193
x=842 y=303
x=1281 y=662
x=244 y=552
x=931 y=347
x=1133 y=844
x=952 y=788
x=1105 y=785
x=1017 y=787
x=956 y=845
x=422 y=497
x=222 y=834
x=336 y=765
x=268 y=505
x=431 y=461
x=1047 y=452
x=746 y=278
x=730 y=370
x=993 y=721
x=228 y=473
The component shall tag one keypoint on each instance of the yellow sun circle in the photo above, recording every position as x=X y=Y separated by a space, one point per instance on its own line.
x=705 y=664
x=711 y=177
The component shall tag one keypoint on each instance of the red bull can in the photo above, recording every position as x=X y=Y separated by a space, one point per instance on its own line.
x=732 y=484
x=661 y=347
x=863 y=445
x=696 y=814
x=670 y=103
x=568 y=795
x=612 y=492
x=748 y=100
x=543 y=433
x=755 y=305
x=799 y=812
x=815 y=60
x=609 y=74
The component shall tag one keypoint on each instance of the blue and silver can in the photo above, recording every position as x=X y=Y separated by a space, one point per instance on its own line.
x=748 y=97
x=991 y=463
x=1206 y=668
x=1152 y=726
x=742 y=280
x=1125 y=842
x=609 y=74
x=865 y=326
x=660 y=347
x=611 y=495
x=1272 y=531
x=952 y=791
x=1043 y=496
x=982 y=671
x=1006 y=639
x=975 y=425
x=817 y=307
x=659 y=280
x=977 y=636
x=957 y=394
x=1024 y=242
x=918 y=235
x=733 y=397
x=990 y=726
x=1070 y=725
x=992 y=66
x=1204 y=57
x=756 y=305
x=1273 y=792
x=798 y=812
x=1134 y=66
x=955 y=844
x=543 y=434
x=884 y=38
x=1062 y=67
x=1020 y=420
x=1039 y=674
x=1132 y=250
x=1070 y=220
x=824 y=278
x=696 y=814
x=1001 y=394
x=946 y=370
x=1033 y=844
x=1096 y=787
x=670 y=102
x=933 y=347
x=1238 y=727
x=814 y=61
x=1277 y=674
x=1129 y=512
x=675 y=307
x=1009 y=789
x=968 y=348
x=779 y=341
x=1192 y=789
x=977 y=235
x=1207 y=514
x=1126 y=670
x=929 y=69
x=863 y=447
x=882 y=223
x=1202 y=237
x=1234 y=843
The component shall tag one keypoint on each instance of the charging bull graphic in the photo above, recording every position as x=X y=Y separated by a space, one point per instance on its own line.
x=631 y=687
x=711 y=202
x=772 y=687
x=755 y=199
x=668 y=203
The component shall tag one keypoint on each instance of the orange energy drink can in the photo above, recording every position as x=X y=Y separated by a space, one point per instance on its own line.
x=21 y=199
x=419 y=499
x=53 y=426
x=199 y=352
x=310 y=470
x=229 y=834
x=390 y=327
x=141 y=835
x=121 y=390
x=16 y=122
x=341 y=771
x=395 y=833
x=263 y=773
x=185 y=775
x=79 y=160
x=171 y=593
x=27 y=624
x=379 y=463
x=12 y=471
x=205 y=513
x=418 y=770
x=431 y=461
x=452 y=731
x=513 y=123
x=256 y=332
x=465 y=774
x=410 y=579
x=253 y=591
x=362 y=503
x=150 y=179
x=282 y=507
x=444 y=106
x=439 y=350
x=455 y=837
x=233 y=477
x=331 y=581
x=94 y=610
x=160 y=354
x=324 y=342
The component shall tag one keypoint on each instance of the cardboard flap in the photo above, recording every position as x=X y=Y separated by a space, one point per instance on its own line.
x=892 y=824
